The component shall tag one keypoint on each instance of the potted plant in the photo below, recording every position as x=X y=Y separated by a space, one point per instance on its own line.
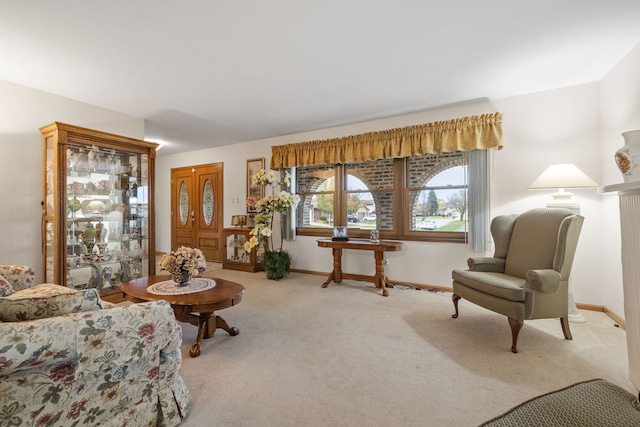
x=276 y=261
x=277 y=264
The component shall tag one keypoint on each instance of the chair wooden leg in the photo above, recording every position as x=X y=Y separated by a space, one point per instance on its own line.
x=564 y=322
x=455 y=298
x=516 y=325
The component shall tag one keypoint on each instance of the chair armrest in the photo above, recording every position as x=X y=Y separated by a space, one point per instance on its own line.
x=488 y=264
x=37 y=344
x=20 y=276
x=546 y=280
x=126 y=333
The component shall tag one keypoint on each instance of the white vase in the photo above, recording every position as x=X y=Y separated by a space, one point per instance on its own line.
x=628 y=157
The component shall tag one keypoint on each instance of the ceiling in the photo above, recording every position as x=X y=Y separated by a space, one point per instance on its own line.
x=205 y=73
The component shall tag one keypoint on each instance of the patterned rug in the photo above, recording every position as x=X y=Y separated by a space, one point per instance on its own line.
x=596 y=403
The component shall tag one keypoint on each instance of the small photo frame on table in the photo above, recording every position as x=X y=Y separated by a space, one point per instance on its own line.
x=339 y=233
x=256 y=191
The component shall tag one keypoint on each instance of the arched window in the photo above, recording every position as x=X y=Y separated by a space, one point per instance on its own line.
x=360 y=204
x=316 y=187
x=442 y=202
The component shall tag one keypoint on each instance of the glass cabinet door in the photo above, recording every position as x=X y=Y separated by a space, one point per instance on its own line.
x=48 y=231
x=107 y=217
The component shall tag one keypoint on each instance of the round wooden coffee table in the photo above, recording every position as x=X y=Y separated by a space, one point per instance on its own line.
x=205 y=303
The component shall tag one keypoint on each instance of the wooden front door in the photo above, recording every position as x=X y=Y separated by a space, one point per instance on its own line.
x=196 y=209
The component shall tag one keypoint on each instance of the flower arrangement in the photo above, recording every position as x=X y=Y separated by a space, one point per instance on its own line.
x=268 y=206
x=251 y=204
x=184 y=259
x=276 y=261
x=269 y=178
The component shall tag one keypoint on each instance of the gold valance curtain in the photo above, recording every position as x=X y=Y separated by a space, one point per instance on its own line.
x=463 y=134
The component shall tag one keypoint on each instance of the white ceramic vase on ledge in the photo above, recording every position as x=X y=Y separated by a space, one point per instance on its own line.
x=628 y=157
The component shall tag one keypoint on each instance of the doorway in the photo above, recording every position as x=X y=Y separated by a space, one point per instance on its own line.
x=197 y=209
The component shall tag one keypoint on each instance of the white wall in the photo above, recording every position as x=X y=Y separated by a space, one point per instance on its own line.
x=539 y=129
x=619 y=112
x=23 y=111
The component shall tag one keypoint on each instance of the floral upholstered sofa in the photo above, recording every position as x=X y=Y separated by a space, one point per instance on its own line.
x=66 y=360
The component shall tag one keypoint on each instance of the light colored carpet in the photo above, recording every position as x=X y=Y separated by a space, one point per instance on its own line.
x=346 y=356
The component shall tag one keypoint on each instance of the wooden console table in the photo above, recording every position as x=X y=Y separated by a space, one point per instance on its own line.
x=380 y=280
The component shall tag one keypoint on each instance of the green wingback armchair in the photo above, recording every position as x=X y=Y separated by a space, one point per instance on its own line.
x=527 y=278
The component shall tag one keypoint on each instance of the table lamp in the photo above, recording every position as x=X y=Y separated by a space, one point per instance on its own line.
x=239 y=220
x=560 y=177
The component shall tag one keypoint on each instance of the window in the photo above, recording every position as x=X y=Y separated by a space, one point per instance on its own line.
x=316 y=187
x=370 y=187
x=437 y=193
x=413 y=198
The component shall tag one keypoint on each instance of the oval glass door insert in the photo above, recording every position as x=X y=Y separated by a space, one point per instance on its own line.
x=207 y=202
x=184 y=203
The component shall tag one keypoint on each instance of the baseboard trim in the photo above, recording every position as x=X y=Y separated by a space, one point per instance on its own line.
x=619 y=320
x=590 y=307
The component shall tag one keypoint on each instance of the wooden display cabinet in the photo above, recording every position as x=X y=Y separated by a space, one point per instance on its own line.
x=98 y=209
x=236 y=258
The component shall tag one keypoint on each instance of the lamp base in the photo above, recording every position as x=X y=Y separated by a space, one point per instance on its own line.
x=574 y=315
x=564 y=199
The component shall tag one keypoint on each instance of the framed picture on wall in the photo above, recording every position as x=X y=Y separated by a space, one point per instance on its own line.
x=255 y=191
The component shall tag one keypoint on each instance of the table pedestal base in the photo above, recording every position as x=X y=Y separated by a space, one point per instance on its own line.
x=207 y=324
